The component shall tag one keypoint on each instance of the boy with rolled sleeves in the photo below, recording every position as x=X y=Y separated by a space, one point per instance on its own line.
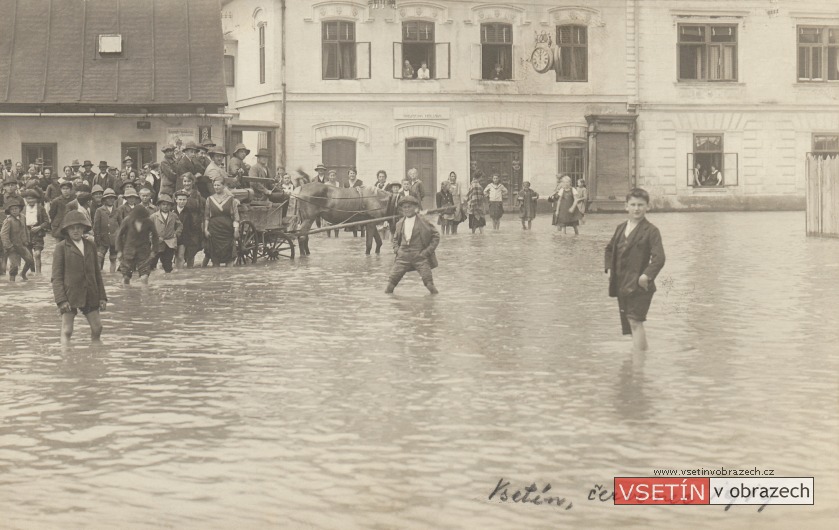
x=634 y=257
x=15 y=238
x=76 y=279
x=414 y=243
x=169 y=228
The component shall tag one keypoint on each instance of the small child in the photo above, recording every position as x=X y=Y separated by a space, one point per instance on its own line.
x=582 y=198
x=634 y=257
x=136 y=244
x=527 y=205
x=169 y=227
x=76 y=279
x=38 y=222
x=496 y=192
x=15 y=238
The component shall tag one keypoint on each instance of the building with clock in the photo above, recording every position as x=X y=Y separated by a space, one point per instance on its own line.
x=673 y=98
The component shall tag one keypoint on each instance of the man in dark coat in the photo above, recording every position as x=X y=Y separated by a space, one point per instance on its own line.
x=103 y=179
x=634 y=257
x=414 y=243
x=58 y=207
x=88 y=175
x=188 y=163
x=168 y=170
x=137 y=243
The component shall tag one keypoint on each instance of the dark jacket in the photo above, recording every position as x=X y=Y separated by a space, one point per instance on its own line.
x=424 y=233
x=140 y=244
x=58 y=207
x=644 y=254
x=105 y=226
x=105 y=180
x=168 y=175
x=14 y=234
x=444 y=198
x=76 y=279
x=356 y=184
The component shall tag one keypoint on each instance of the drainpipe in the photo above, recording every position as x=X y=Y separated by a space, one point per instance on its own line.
x=282 y=73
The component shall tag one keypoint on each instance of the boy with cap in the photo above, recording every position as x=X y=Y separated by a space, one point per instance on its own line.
x=76 y=279
x=236 y=166
x=137 y=240
x=130 y=199
x=169 y=228
x=15 y=238
x=58 y=207
x=168 y=170
x=414 y=243
x=38 y=222
x=105 y=228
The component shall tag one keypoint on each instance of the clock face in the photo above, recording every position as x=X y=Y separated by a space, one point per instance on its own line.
x=541 y=60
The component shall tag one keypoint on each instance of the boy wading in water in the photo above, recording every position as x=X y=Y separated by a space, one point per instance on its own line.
x=634 y=258
x=76 y=277
x=414 y=242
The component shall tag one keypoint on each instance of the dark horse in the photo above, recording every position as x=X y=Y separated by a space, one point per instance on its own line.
x=342 y=205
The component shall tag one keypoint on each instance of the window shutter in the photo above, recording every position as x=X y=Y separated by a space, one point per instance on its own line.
x=477 y=72
x=397 y=60
x=442 y=60
x=690 y=168
x=362 y=60
x=514 y=66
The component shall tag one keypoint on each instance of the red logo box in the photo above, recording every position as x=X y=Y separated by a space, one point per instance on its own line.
x=664 y=491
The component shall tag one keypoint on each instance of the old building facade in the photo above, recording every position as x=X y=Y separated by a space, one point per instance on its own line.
x=617 y=92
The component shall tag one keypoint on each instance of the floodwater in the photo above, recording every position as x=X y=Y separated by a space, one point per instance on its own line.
x=297 y=395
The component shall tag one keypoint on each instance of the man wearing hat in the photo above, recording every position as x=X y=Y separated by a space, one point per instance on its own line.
x=10 y=190
x=15 y=239
x=236 y=166
x=128 y=173
x=37 y=221
x=87 y=173
x=215 y=172
x=76 y=280
x=321 y=178
x=104 y=179
x=169 y=228
x=105 y=227
x=168 y=170
x=188 y=163
x=414 y=243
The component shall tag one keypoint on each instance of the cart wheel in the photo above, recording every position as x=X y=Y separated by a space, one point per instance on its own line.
x=248 y=243
x=278 y=246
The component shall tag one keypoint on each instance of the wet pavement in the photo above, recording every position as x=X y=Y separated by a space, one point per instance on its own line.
x=296 y=394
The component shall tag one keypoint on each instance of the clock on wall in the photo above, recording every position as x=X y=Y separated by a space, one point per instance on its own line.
x=542 y=57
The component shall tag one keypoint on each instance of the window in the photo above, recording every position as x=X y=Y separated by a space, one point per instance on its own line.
x=825 y=145
x=229 y=70
x=709 y=166
x=572 y=160
x=818 y=53
x=343 y=58
x=340 y=156
x=33 y=152
x=141 y=153
x=573 y=53
x=261 y=54
x=418 y=47
x=707 y=53
x=496 y=51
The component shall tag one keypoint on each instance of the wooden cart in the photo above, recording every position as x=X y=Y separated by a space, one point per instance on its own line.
x=262 y=233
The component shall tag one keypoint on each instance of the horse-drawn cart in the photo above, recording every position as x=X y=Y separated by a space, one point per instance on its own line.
x=263 y=232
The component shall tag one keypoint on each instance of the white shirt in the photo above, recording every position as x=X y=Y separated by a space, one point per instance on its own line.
x=629 y=228
x=423 y=73
x=496 y=192
x=31 y=214
x=79 y=245
x=408 y=228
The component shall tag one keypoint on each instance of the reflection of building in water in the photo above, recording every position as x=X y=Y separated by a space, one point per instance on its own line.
x=703 y=103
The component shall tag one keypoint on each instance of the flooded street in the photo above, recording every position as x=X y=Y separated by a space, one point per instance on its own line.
x=298 y=395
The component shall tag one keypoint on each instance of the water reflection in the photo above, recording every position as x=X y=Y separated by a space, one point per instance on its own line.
x=297 y=394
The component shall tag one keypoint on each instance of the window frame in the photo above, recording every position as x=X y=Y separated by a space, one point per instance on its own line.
x=338 y=43
x=40 y=146
x=730 y=175
x=262 y=53
x=572 y=143
x=824 y=47
x=706 y=45
x=824 y=153
x=572 y=46
x=430 y=45
x=493 y=44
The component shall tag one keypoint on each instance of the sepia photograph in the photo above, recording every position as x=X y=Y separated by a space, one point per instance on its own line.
x=419 y=264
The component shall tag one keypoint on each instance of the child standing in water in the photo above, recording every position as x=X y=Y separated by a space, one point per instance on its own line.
x=634 y=257
x=527 y=205
x=76 y=278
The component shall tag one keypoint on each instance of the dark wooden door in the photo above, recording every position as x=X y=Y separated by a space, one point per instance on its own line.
x=420 y=153
x=340 y=156
x=613 y=171
x=500 y=154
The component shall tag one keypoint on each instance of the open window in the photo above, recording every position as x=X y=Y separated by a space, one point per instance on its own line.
x=708 y=166
x=343 y=57
x=496 y=62
x=419 y=56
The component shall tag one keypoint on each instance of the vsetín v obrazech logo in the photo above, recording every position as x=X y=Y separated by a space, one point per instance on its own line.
x=714 y=490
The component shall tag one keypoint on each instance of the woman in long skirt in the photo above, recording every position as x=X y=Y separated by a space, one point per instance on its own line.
x=456 y=189
x=566 y=202
x=221 y=224
x=476 y=206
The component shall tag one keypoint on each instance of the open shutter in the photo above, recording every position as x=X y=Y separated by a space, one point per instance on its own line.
x=397 y=60
x=477 y=72
x=362 y=60
x=691 y=179
x=730 y=169
x=442 y=61
x=515 y=62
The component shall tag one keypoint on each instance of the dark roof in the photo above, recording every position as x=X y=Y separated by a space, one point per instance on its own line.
x=172 y=53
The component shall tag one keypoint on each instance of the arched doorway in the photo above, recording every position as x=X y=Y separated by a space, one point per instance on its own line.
x=498 y=153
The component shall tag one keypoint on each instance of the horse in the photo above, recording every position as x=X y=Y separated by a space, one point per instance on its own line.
x=341 y=205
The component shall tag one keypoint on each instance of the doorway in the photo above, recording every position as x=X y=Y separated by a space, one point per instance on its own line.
x=140 y=153
x=497 y=153
x=421 y=153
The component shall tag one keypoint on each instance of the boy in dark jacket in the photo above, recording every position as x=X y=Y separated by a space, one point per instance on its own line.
x=414 y=243
x=634 y=257
x=136 y=244
x=76 y=278
x=105 y=228
x=15 y=238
